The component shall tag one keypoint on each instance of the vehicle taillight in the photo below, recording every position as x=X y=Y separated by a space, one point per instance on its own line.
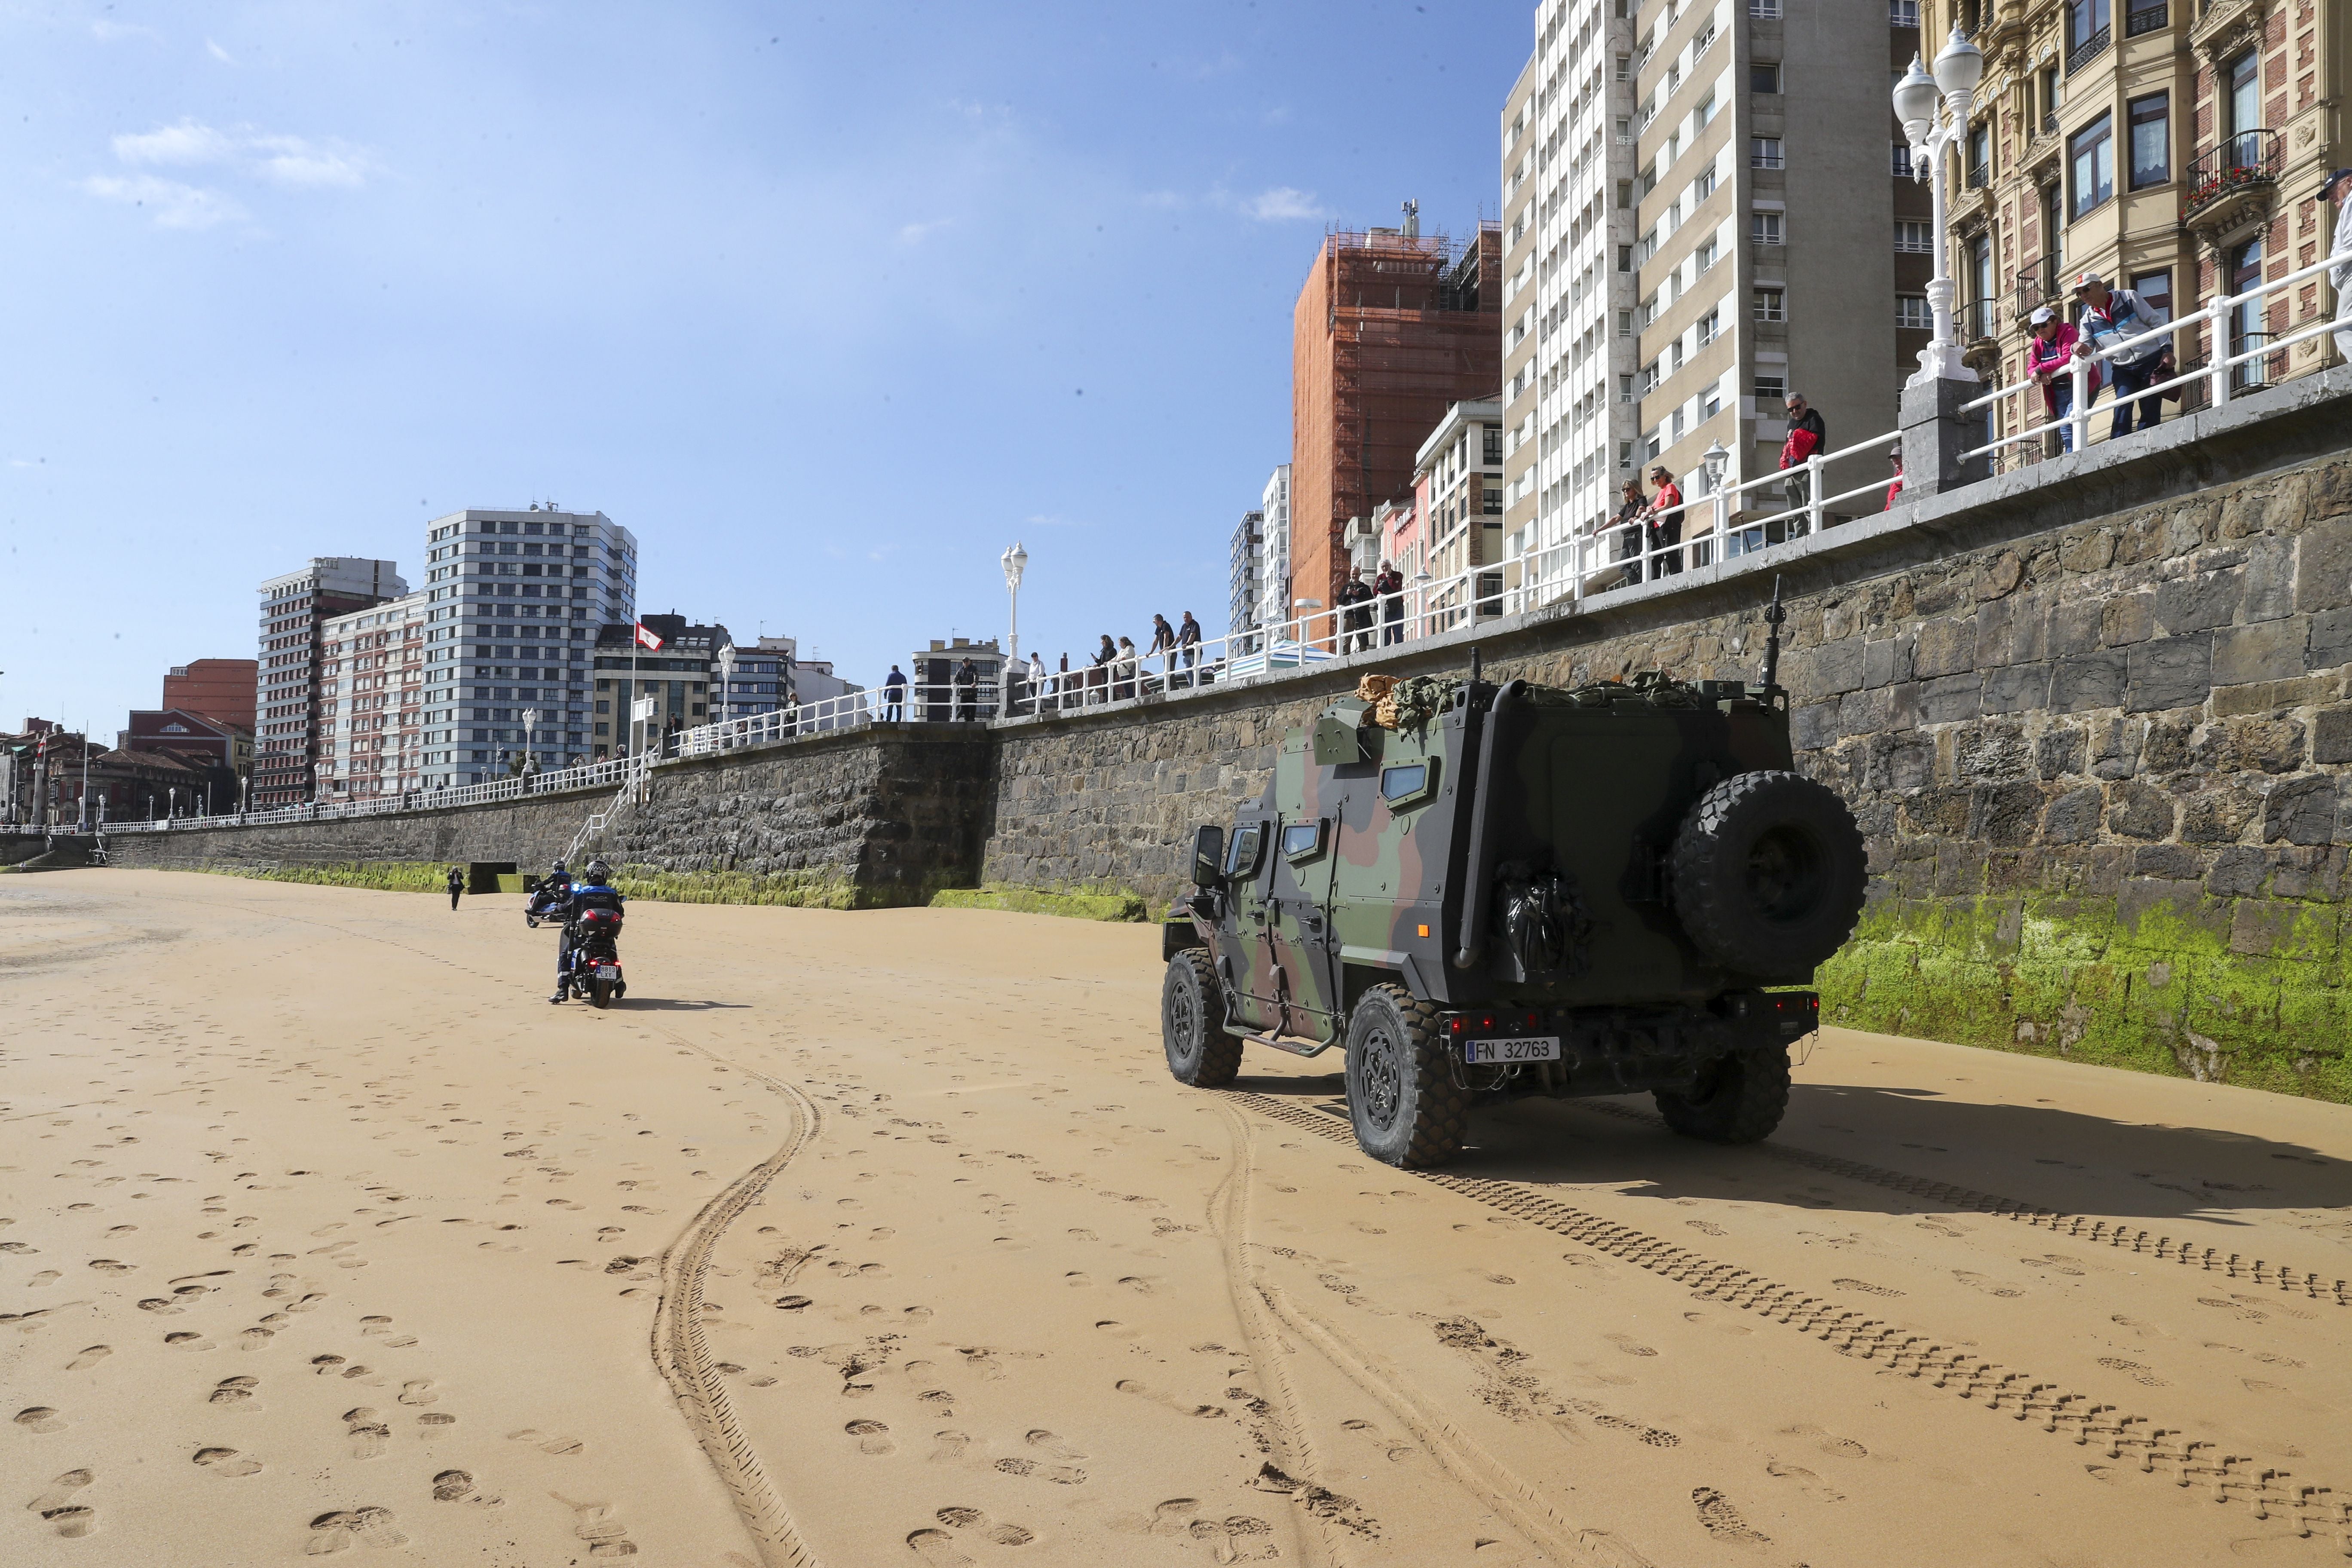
x=1488 y=1022
x=1457 y=1025
x=1534 y=1020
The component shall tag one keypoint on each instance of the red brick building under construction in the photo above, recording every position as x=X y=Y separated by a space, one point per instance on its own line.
x=1393 y=328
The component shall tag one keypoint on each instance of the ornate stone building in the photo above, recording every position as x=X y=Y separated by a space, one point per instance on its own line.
x=2175 y=147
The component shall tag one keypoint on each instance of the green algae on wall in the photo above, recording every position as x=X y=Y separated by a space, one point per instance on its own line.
x=385 y=876
x=1085 y=906
x=815 y=889
x=2249 y=991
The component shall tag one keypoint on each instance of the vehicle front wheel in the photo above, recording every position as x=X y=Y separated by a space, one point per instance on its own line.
x=1201 y=1050
x=1402 y=1095
x=1738 y=1100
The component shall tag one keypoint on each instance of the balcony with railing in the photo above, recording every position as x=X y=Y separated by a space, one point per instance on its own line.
x=2089 y=49
x=2036 y=286
x=2144 y=19
x=2232 y=181
x=1977 y=318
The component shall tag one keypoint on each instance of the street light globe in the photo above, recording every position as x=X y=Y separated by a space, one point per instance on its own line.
x=1915 y=99
x=1015 y=561
x=1960 y=66
x=1716 y=460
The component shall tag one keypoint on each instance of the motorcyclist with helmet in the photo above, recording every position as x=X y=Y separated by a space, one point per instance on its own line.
x=552 y=894
x=593 y=891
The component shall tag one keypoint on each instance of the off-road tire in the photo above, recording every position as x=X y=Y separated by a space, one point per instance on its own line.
x=1201 y=1051
x=1402 y=1097
x=1768 y=873
x=1738 y=1099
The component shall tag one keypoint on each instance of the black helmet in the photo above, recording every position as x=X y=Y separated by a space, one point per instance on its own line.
x=598 y=870
x=558 y=867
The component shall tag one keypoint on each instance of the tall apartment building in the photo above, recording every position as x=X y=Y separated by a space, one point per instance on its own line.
x=2172 y=147
x=1703 y=212
x=295 y=608
x=371 y=701
x=1392 y=328
x=514 y=600
x=1273 y=570
x=1246 y=561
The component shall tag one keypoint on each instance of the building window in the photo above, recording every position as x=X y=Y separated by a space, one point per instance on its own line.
x=2155 y=288
x=2245 y=94
x=1901 y=160
x=1624 y=67
x=2088 y=32
x=1624 y=258
x=1764 y=78
x=2145 y=16
x=1709 y=326
x=2151 y=140
x=1771 y=390
x=1704 y=186
x=2091 y=158
x=1494 y=501
x=1650 y=378
x=1911 y=311
x=1911 y=238
x=1764 y=10
x=1764 y=152
x=1624 y=323
x=1902 y=13
x=1493 y=445
x=1707 y=255
x=1979 y=171
x=1625 y=389
x=1764 y=229
x=1771 y=305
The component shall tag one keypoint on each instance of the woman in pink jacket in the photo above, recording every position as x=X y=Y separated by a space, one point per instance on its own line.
x=2048 y=355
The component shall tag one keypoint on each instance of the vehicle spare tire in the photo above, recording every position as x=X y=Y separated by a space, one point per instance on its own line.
x=1768 y=873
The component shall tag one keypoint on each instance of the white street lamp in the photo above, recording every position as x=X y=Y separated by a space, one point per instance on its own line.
x=1015 y=562
x=1718 y=463
x=1935 y=114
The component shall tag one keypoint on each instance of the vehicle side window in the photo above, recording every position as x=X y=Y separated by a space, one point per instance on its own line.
x=1301 y=840
x=1241 y=859
x=1405 y=783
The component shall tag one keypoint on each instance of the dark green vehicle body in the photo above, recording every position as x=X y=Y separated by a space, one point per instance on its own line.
x=1512 y=865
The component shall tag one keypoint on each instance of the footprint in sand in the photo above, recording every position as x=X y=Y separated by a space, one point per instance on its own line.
x=1812 y=1485
x=1627 y=1343
x=419 y=1392
x=367 y=1432
x=951 y=1446
x=937 y=1548
x=973 y=1520
x=40 y=1418
x=69 y=1518
x=1989 y=1285
x=91 y=1356
x=1865 y=1287
x=873 y=1438
x=226 y=1462
x=1047 y=1442
x=161 y=1306
x=2133 y=1370
x=1181 y=1406
x=1606 y=1550
x=188 y=1342
x=562 y=1447
x=45 y=1276
x=1061 y=1475
x=1396 y=1450
x=334 y=1531
x=1720 y=1520
x=458 y=1486
x=594 y=1523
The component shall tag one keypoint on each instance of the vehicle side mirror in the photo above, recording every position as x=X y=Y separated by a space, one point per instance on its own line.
x=1209 y=857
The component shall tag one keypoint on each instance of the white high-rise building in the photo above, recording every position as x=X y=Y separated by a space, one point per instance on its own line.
x=513 y=602
x=371 y=701
x=1569 y=348
x=295 y=609
x=1273 y=550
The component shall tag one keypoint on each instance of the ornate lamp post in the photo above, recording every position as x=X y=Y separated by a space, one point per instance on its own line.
x=1718 y=463
x=1015 y=562
x=1935 y=114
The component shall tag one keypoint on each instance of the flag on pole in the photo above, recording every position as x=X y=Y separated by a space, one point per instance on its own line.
x=646 y=638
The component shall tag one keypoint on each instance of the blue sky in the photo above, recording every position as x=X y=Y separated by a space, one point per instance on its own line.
x=829 y=304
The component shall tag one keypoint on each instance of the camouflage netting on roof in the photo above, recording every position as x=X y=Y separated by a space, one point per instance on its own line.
x=1653 y=686
x=1406 y=704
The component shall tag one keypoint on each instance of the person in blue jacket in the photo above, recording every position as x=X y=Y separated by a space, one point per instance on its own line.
x=593 y=891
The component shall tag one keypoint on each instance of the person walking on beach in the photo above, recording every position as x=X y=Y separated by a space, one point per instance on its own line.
x=456 y=884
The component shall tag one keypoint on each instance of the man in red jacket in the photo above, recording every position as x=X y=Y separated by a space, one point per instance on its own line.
x=1807 y=436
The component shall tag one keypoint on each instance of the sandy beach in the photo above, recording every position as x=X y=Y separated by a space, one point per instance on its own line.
x=886 y=1239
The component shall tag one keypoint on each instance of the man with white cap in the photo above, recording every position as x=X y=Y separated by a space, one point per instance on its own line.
x=2338 y=189
x=2110 y=318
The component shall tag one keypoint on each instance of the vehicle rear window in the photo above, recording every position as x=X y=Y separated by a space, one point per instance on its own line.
x=1407 y=778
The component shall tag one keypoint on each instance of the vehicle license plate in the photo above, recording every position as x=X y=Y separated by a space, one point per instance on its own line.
x=613 y=972
x=1530 y=1048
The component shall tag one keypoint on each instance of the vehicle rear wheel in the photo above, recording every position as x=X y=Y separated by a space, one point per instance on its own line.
x=1738 y=1100
x=1769 y=872
x=1201 y=1050
x=1402 y=1096
x=600 y=992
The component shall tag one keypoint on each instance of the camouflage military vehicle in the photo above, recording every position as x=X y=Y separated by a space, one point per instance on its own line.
x=1519 y=890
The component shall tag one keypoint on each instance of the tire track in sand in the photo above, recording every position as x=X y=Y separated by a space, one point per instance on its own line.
x=2187 y=1461
x=1490 y=1482
x=682 y=1351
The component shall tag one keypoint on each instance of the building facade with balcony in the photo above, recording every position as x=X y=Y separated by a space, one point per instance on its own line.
x=2174 y=147
x=1244 y=565
x=514 y=601
x=295 y=609
x=371 y=701
x=1274 y=571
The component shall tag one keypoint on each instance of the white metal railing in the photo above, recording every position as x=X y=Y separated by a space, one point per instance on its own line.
x=2213 y=321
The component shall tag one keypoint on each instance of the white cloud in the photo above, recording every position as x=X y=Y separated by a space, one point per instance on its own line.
x=107 y=32
x=217 y=53
x=1283 y=203
x=186 y=143
x=176 y=206
x=291 y=161
x=912 y=233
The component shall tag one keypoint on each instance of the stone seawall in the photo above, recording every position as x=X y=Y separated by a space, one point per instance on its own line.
x=840 y=821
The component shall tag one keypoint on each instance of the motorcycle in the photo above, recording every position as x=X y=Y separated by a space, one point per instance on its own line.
x=596 y=957
x=546 y=900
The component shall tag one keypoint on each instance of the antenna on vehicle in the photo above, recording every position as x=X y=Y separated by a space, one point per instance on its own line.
x=1773 y=615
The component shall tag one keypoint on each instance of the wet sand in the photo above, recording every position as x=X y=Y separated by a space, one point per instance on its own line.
x=886 y=1239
